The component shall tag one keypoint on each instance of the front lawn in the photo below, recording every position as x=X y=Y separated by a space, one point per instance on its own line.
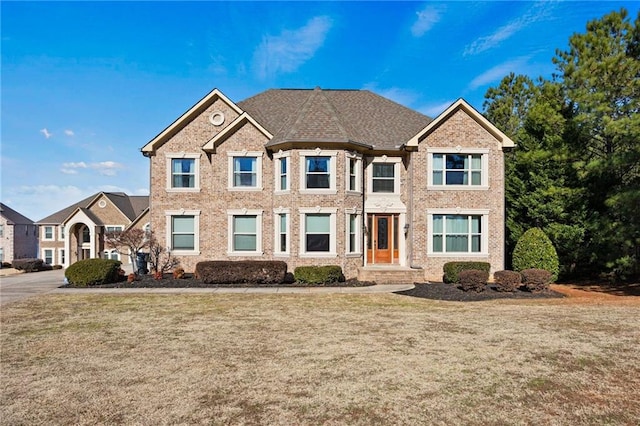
x=318 y=359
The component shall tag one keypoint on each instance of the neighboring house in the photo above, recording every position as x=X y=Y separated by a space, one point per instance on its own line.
x=342 y=177
x=18 y=235
x=77 y=232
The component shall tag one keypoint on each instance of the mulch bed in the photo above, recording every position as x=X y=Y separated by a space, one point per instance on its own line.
x=189 y=281
x=450 y=292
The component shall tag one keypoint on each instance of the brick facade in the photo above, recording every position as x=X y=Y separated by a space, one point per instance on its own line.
x=214 y=199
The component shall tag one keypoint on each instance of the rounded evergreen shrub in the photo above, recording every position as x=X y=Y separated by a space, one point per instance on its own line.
x=326 y=274
x=93 y=272
x=534 y=250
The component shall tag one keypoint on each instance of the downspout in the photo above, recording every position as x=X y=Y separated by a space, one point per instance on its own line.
x=410 y=239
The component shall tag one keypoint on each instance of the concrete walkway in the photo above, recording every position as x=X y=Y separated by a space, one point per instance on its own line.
x=14 y=287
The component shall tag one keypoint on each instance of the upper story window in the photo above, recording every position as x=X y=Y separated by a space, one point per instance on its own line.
x=282 y=171
x=384 y=175
x=354 y=172
x=318 y=171
x=1 y=230
x=466 y=169
x=183 y=172
x=245 y=170
x=48 y=233
x=114 y=228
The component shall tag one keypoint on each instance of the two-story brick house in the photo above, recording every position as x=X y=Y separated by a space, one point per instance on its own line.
x=18 y=235
x=78 y=231
x=342 y=177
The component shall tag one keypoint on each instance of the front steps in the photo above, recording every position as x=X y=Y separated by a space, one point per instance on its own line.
x=390 y=274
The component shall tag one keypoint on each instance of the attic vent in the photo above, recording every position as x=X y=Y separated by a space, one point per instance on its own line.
x=102 y=204
x=216 y=118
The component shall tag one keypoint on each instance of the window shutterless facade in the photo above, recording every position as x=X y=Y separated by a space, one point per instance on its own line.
x=353 y=234
x=464 y=169
x=48 y=256
x=282 y=240
x=282 y=169
x=245 y=232
x=183 y=172
x=183 y=231
x=48 y=233
x=245 y=171
x=318 y=232
x=354 y=172
x=383 y=177
x=457 y=233
x=318 y=171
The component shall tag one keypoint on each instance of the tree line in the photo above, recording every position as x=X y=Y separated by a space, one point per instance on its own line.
x=575 y=172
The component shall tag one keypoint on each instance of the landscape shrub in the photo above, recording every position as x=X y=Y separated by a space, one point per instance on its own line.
x=473 y=280
x=241 y=271
x=507 y=281
x=57 y=267
x=318 y=274
x=536 y=280
x=534 y=250
x=6 y=265
x=29 y=265
x=452 y=269
x=90 y=272
x=178 y=273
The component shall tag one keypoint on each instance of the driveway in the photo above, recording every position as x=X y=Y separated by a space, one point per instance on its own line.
x=20 y=286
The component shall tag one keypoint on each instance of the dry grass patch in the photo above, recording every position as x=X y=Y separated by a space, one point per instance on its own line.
x=330 y=359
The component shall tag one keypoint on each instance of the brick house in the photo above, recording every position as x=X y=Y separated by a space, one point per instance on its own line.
x=77 y=231
x=341 y=177
x=18 y=235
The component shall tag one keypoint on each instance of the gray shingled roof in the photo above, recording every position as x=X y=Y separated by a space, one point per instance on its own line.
x=131 y=205
x=13 y=217
x=320 y=115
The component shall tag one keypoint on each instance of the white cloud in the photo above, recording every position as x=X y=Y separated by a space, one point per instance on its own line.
x=46 y=133
x=538 y=12
x=69 y=132
x=105 y=168
x=286 y=52
x=427 y=18
x=498 y=72
x=402 y=96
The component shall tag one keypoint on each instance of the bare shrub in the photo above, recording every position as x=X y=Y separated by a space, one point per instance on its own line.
x=536 y=279
x=507 y=281
x=239 y=272
x=472 y=280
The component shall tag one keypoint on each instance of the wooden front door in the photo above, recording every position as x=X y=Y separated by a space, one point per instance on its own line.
x=382 y=244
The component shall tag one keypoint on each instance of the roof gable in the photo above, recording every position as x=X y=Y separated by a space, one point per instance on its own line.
x=130 y=206
x=242 y=119
x=461 y=104
x=186 y=118
x=13 y=217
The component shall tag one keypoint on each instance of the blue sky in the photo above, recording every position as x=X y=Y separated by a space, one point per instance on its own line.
x=86 y=84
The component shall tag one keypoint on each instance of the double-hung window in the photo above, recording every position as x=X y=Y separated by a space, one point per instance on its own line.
x=245 y=232
x=383 y=177
x=353 y=241
x=282 y=165
x=318 y=171
x=182 y=231
x=466 y=169
x=245 y=170
x=183 y=172
x=48 y=233
x=318 y=236
x=48 y=256
x=282 y=240
x=354 y=172
x=459 y=233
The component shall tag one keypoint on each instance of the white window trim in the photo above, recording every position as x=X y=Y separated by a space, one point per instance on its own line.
x=358 y=157
x=60 y=233
x=244 y=212
x=61 y=256
x=484 y=239
x=332 y=211
x=277 y=231
x=196 y=231
x=397 y=162
x=358 y=249
x=332 y=171
x=44 y=256
x=459 y=150
x=179 y=156
x=277 y=157
x=258 y=156
x=120 y=227
x=44 y=233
